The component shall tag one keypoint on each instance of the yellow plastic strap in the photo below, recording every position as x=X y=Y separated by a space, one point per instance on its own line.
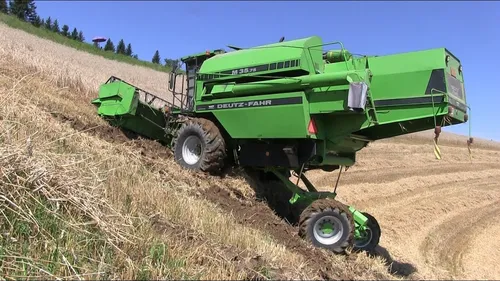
x=437 y=151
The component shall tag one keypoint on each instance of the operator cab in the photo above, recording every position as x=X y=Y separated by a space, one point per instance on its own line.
x=192 y=65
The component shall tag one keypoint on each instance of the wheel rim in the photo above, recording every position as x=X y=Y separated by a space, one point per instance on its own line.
x=363 y=242
x=328 y=230
x=191 y=150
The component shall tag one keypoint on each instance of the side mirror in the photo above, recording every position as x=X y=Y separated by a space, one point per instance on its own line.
x=171 y=81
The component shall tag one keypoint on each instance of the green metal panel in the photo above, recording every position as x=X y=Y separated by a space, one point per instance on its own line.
x=332 y=99
x=119 y=104
x=116 y=99
x=281 y=85
x=265 y=60
x=271 y=121
x=454 y=71
x=404 y=75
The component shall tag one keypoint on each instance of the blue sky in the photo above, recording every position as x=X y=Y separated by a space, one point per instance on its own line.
x=469 y=29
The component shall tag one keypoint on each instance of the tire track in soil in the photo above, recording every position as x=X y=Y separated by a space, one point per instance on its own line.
x=149 y=148
x=390 y=175
x=447 y=243
x=409 y=197
x=418 y=221
x=438 y=203
x=484 y=249
x=245 y=262
x=259 y=216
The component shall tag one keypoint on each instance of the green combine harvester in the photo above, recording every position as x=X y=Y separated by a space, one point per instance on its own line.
x=292 y=107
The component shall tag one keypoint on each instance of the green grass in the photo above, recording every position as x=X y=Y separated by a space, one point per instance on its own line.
x=89 y=48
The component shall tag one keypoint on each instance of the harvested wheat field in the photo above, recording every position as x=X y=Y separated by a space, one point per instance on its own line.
x=83 y=200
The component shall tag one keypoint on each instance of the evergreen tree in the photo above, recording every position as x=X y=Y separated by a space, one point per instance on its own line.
x=170 y=63
x=135 y=57
x=4 y=8
x=74 y=34
x=156 y=57
x=80 y=36
x=55 y=27
x=42 y=23
x=65 y=30
x=23 y=9
x=48 y=23
x=30 y=12
x=37 y=22
x=109 y=46
x=18 y=8
x=128 y=52
x=120 y=49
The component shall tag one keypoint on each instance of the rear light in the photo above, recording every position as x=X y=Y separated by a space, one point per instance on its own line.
x=450 y=110
x=311 y=128
x=453 y=72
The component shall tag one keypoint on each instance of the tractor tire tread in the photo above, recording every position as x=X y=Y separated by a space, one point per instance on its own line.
x=214 y=153
x=324 y=205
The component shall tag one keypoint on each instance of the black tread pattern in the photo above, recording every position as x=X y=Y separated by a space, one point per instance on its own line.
x=214 y=153
x=326 y=205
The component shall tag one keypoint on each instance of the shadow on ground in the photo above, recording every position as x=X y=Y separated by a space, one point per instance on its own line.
x=395 y=267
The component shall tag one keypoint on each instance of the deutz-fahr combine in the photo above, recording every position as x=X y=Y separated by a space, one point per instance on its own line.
x=294 y=106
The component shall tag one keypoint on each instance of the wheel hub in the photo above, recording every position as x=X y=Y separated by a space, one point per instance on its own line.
x=191 y=150
x=328 y=230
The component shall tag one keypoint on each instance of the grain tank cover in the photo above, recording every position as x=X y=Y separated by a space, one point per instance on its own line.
x=299 y=56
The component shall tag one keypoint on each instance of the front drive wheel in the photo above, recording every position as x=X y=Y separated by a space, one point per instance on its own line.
x=199 y=145
x=327 y=224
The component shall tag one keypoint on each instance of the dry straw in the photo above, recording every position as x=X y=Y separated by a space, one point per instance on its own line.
x=131 y=205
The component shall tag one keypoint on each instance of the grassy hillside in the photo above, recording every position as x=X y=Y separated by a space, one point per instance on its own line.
x=89 y=48
x=142 y=215
x=82 y=200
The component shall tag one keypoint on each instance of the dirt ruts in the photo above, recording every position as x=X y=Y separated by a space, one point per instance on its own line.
x=259 y=216
x=254 y=212
x=148 y=148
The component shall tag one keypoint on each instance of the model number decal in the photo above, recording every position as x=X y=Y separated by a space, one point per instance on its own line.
x=244 y=70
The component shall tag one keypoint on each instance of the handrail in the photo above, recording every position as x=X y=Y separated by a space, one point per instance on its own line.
x=342 y=49
x=149 y=97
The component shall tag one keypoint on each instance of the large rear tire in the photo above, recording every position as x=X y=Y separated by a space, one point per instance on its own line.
x=327 y=224
x=199 y=145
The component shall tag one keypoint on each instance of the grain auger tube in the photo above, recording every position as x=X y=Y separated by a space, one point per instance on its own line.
x=293 y=106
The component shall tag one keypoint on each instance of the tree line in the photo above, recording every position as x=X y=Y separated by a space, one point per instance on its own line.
x=120 y=48
x=171 y=63
x=25 y=10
